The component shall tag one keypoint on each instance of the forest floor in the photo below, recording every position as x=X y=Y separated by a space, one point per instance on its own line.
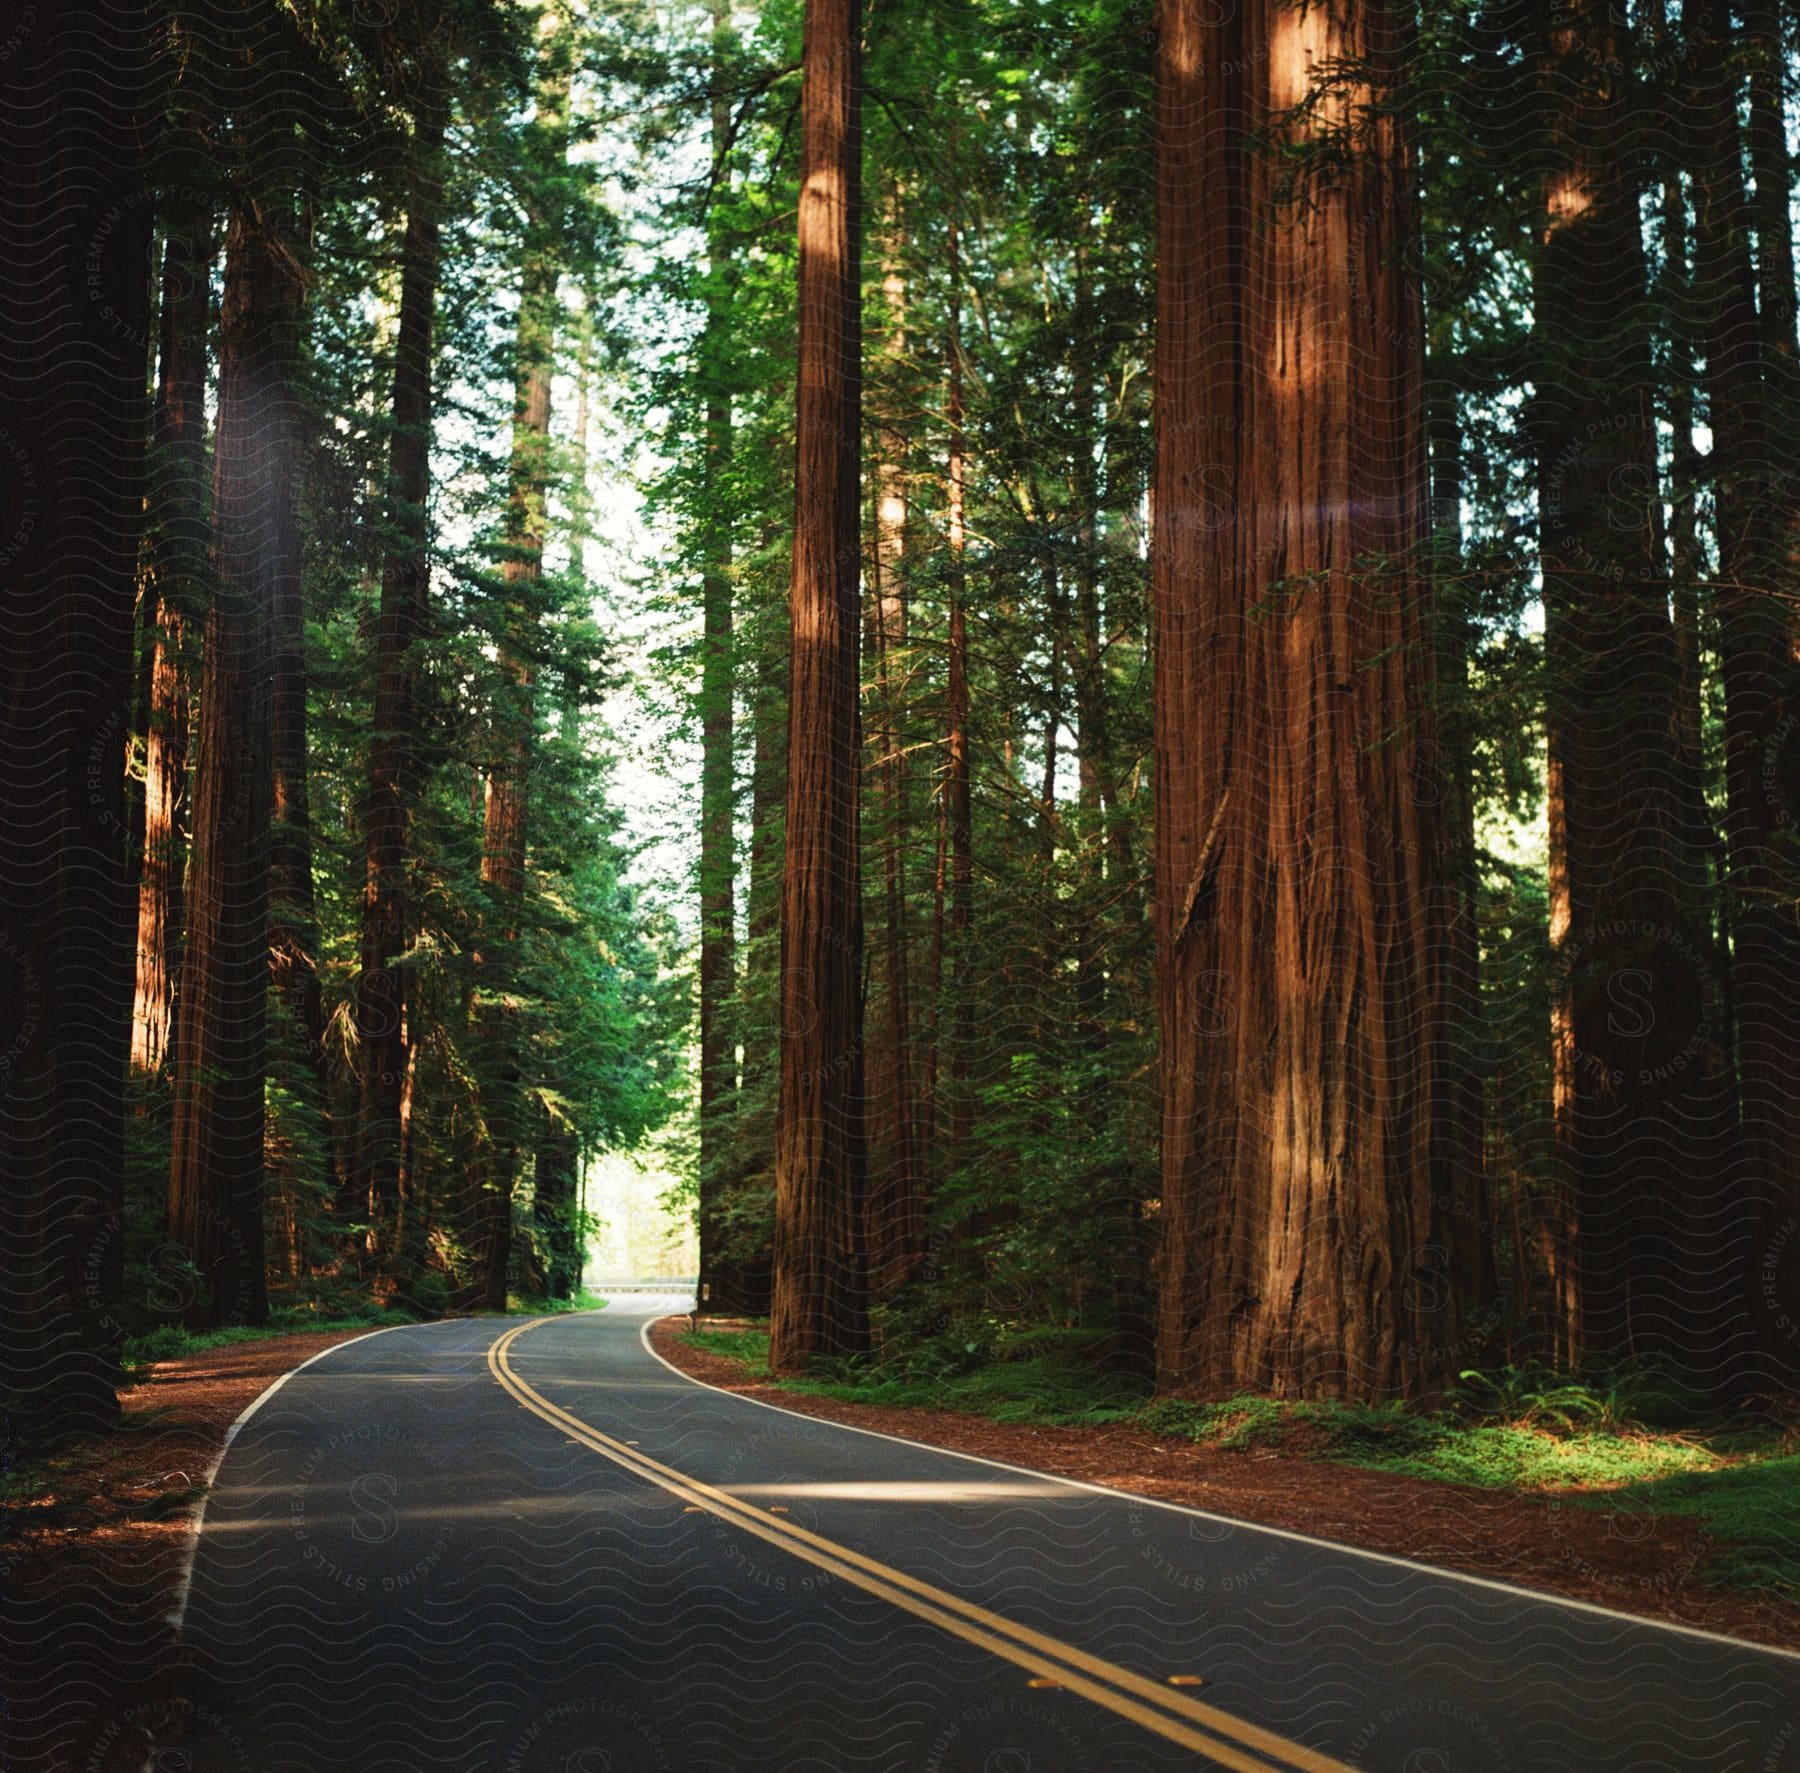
x=97 y=1536
x=1603 y=1542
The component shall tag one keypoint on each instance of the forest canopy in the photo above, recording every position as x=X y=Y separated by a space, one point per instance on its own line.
x=1130 y=673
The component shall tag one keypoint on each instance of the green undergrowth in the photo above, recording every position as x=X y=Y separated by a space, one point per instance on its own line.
x=1044 y=1378
x=168 y=1342
x=535 y=1305
x=1632 y=1444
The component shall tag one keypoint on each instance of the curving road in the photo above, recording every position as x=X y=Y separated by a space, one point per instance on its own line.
x=534 y=1548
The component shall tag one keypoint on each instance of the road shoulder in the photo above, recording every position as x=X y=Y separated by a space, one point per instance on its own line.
x=1653 y=1567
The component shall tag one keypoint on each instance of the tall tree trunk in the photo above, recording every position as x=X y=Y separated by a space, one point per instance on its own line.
x=720 y=1283
x=1772 y=168
x=957 y=767
x=74 y=428
x=820 y=1297
x=1642 y=1095
x=384 y=1039
x=174 y=607
x=557 y=1209
x=293 y=910
x=1758 y=636
x=895 y=1198
x=215 y=1204
x=1301 y=923
x=508 y=776
x=1461 y=1067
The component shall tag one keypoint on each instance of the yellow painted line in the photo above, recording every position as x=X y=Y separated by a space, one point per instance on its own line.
x=1198 y=1726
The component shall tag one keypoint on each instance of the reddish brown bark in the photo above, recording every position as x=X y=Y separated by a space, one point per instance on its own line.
x=820 y=1285
x=215 y=1204
x=895 y=1187
x=1642 y=1105
x=174 y=605
x=507 y=789
x=957 y=777
x=383 y=1044
x=721 y=1279
x=1300 y=924
x=1759 y=648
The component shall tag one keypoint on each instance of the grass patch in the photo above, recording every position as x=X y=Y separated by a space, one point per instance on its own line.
x=1750 y=1510
x=169 y=1342
x=533 y=1306
x=1047 y=1379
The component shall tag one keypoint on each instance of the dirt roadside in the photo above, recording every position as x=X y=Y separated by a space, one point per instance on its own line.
x=1654 y=1566
x=91 y=1565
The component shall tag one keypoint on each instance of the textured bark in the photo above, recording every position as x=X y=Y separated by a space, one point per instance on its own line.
x=721 y=1284
x=505 y=804
x=174 y=607
x=1759 y=647
x=957 y=778
x=1461 y=1069
x=383 y=1040
x=820 y=1285
x=74 y=311
x=1772 y=169
x=1642 y=1091
x=293 y=910
x=1300 y=920
x=558 y=1171
x=215 y=1204
x=895 y=1216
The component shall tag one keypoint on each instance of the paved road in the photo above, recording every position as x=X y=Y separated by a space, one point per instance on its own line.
x=472 y=1545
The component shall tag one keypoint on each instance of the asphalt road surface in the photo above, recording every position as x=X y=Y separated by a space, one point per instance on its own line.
x=533 y=1548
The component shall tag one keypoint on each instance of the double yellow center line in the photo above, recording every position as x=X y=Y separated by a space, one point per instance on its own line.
x=1175 y=1716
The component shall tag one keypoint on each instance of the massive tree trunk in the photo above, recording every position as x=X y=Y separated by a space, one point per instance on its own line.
x=514 y=738
x=1301 y=925
x=1642 y=1092
x=384 y=1040
x=174 y=607
x=895 y=1194
x=293 y=911
x=1758 y=633
x=75 y=316
x=820 y=1294
x=215 y=1205
x=720 y=1281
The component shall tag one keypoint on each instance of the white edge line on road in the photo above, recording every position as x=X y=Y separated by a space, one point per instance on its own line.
x=179 y=1613
x=1517 y=1590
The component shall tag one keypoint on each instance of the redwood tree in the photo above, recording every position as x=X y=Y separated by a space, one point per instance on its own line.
x=74 y=310
x=1642 y=1092
x=1748 y=374
x=1300 y=924
x=820 y=1287
x=507 y=788
x=215 y=1201
x=383 y=1042
x=173 y=612
x=720 y=1279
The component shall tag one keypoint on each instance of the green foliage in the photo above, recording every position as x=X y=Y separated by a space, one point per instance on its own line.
x=169 y=1342
x=1752 y=1512
x=1038 y=1378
